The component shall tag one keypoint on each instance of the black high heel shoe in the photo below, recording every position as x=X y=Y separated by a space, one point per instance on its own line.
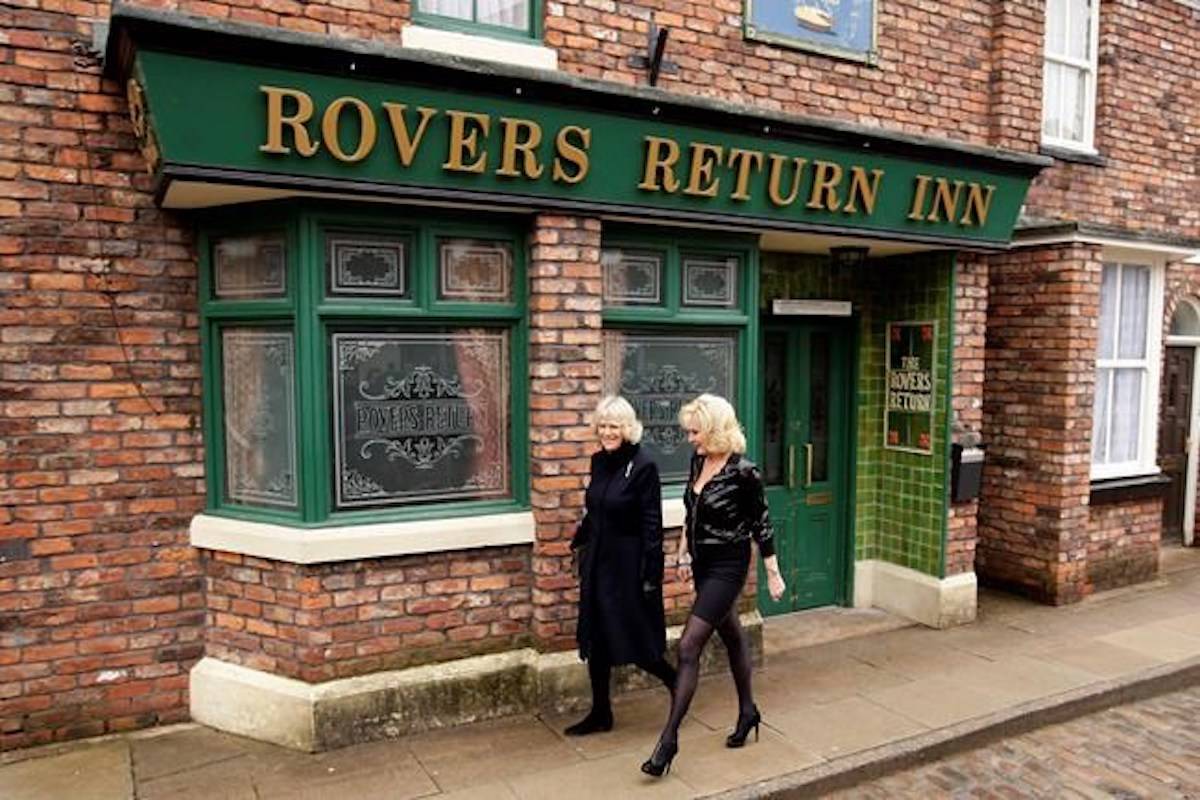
x=659 y=763
x=594 y=722
x=741 y=731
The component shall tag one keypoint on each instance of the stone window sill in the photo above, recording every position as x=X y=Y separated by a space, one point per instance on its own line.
x=324 y=545
x=1074 y=156
x=486 y=48
x=1122 y=490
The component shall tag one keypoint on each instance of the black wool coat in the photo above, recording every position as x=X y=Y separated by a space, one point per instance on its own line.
x=619 y=544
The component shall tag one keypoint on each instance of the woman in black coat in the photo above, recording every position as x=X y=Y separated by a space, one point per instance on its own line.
x=619 y=549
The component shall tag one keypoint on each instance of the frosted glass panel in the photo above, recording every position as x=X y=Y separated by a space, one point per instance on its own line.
x=420 y=416
x=249 y=267
x=658 y=373
x=260 y=432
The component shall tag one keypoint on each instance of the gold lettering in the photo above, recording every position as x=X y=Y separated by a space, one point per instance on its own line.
x=366 y=132
x=660 y=168
x=705 y=158
x=407 y=143
x=979 y=203
x=571 y=153
x=514 y=142
x=777 y=162
x=860 y=188
x=944 y=200
x=826 y=177
x=917 y=212
x=276 y=120
x=742 y=161
x=464 y=144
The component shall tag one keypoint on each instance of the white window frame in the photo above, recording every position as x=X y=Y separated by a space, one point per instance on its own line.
x=1090 y=66
x=1146 y=462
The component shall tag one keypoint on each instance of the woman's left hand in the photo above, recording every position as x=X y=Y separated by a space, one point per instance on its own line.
x=775 y=585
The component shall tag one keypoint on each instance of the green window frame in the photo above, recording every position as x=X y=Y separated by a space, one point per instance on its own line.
x=532 y=29
x=394 y=307
x=657 y=308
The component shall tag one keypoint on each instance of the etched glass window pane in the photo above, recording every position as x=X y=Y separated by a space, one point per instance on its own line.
x=506 y=13
x=1108 y=311
x=459 y=9
x=249 y=266
x=632 y=277
x=475 y=269
x=660 y=372
x=1135 y=307
x=1186 y=321
x=364 y=265
x=1126 y=415
x=1100 y=416
x=774 y=407
x=258 y=388
x=710 y=282
x=1052 y=100
x=420 y=416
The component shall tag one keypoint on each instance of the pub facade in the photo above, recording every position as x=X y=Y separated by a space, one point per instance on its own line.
x=306 y=309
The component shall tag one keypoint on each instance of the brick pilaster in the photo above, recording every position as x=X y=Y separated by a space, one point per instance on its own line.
x=1041 y=351
x=970 y=329
x=565 y=366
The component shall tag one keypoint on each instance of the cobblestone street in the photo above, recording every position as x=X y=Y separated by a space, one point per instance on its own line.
x=1149 y=749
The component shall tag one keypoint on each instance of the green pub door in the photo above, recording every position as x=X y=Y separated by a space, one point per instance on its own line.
x=806 y=428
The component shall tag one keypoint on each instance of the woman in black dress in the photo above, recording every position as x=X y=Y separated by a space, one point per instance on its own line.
x=619 y=548
x=726 y=508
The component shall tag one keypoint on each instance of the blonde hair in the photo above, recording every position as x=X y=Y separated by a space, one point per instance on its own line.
x=617 y=410
x=719 y=427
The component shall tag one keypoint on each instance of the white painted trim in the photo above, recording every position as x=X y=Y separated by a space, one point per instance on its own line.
x=1193 y=462
x=936 y=602
x=673 y=512
x=487 y=48
x=321 y=545
x=1079 y=237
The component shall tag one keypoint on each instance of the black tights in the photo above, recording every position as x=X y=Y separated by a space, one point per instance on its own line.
x=696 y=634
x=600 y=673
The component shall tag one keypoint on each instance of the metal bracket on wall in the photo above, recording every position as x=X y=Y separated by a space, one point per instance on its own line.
x=656 y=45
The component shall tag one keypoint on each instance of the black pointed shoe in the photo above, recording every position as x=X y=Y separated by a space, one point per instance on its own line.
x=659 y=762
x=741 y=731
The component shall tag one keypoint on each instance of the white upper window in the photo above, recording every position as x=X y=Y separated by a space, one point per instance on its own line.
x=1069 y=73
x=1125 y=413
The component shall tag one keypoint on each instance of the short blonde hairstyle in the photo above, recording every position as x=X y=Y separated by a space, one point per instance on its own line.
x=617 y=410
x=718 y=424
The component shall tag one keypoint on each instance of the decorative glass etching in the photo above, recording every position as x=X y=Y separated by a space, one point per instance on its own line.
x=474 y=269
x=420 y=416
x=632 y=277
x=710 y=282
x=260 y=431
x=249 y=266
x=367 y=265
x=658 y=373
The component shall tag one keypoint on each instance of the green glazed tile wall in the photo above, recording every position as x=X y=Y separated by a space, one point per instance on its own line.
x=899 y=513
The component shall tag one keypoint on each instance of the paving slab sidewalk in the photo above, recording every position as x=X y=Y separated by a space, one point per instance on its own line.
x=835 y=712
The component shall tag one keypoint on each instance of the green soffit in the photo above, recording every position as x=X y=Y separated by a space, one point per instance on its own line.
x=226 y=103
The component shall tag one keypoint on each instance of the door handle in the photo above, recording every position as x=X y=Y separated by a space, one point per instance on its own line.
x=791 y=479
x=808 y=455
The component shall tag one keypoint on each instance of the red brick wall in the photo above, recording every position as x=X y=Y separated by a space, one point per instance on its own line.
x=325 y=621
x=1146 y=111
x=970 y=328
x=1037 y=420
x=100 y=456
x=1122 y=543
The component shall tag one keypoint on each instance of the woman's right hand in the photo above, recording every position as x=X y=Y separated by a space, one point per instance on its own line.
x=684 y=568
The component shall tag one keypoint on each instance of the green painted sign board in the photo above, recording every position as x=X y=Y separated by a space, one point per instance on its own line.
x=908 y=414
x=212 y=118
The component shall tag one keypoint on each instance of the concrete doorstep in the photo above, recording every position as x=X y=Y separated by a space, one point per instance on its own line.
x=837 y=712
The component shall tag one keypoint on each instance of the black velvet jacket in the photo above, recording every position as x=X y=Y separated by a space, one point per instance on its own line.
x=731 y=508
